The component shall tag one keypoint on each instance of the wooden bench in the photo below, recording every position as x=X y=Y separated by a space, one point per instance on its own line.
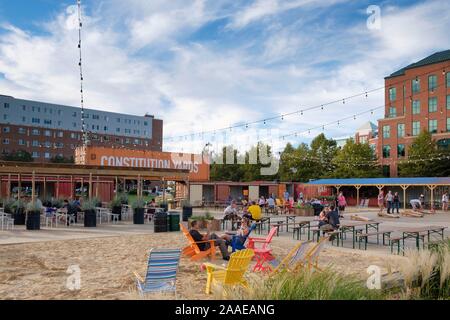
x=360 y=236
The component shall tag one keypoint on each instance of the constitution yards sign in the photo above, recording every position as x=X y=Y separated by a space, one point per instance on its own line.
x=102 y=156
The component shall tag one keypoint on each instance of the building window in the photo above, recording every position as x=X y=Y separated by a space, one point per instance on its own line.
x=432 y=82
x=24 y=108
x=6 y=129
x=6 y=105
x=387 y=151
x=400 y=130
x=6 y=141
x=60 y=134
x=117 y=129
x=448 y=101
x=47 y=155
x=448 y=79
x=74 y=124
x=392 y=94
x=95 y=117
x=35 y=143
x=432 y=126
x=48 y=144
x=21 y=142
x=74 y=115
x=47 y=133
x=400 y=150
x=127 y=140
x=5 y=117
x=448 y=124
x=46 y=121
x=432 y=104
x=386 y=131
x=35 y=132
x=415 y=128
x=24 y=119
x=105 y=128
x=416 y=107
x=35 y=120
x=416 y=86
x=59 y=112
x=73 y=135
x=392 y=112
x=145 y=123
x=136 y=141
x=118 y=120
x=22 y=131
x=127 y=131
x=35 y=154
x=86 y=116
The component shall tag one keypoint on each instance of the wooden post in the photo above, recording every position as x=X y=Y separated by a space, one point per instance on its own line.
x=57 y=187
x=1 y=185
x=90 y=186
x=164 y=189
x=44 y=195
x=432 y=187
x=139 y=186
x=19 y=189
x=33 y=185
x=96 y=187
x=8 y=191
x=82 y=187
x=404 y=187
x=116 y=188
x=72 y=188
x=357 y=194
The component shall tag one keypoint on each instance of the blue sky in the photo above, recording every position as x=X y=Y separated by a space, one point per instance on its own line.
x=201 y=65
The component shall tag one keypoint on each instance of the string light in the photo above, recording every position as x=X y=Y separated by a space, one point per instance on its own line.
x=83 y=127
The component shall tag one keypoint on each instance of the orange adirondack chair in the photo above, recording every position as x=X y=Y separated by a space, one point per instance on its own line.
x=193 y=251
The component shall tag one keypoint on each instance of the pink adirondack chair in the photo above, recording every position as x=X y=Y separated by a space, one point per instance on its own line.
x=264 y=242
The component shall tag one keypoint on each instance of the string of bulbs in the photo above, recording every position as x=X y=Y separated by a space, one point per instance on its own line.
x=299 y=112
x=80 y=64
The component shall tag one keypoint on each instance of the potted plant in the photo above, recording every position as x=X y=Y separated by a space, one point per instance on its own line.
x=18 y=210
x=138 y=211
x=123 y=198
x=304 y=209
x=34 y=210
x=97 y=202
x=200 y=219
x=90 y=214
x=8 y=205
x=116 y=207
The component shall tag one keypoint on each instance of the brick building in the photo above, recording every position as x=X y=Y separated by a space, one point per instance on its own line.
x=48 y=130
x=417 y=98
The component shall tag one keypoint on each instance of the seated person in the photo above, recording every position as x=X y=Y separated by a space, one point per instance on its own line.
x=152 y=204
x=203 y=246
x=329 y=219
x=255 y=211
x=231 y=211
x=243 y=231
x=416 y=204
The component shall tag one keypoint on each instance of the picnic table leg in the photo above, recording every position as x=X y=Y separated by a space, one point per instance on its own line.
x=418 y=241
x=353 y=233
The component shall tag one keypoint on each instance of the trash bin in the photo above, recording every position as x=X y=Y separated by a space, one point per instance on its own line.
x=33 y=221
x=90 y=218
x=138 y=216
x=173 y=221
x=164 y=206
x=187 y=213
x=160 y=222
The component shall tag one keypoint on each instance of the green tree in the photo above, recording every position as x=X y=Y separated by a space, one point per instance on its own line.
x=297 y=164
x=323 y=151
x=20 y=155
x=62 y=159
x=425 y=159
x=356 y=160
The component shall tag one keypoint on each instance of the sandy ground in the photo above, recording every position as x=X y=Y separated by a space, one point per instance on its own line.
x=38 y=270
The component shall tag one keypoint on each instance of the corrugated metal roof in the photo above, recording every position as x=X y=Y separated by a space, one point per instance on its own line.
x=434 y=58
x=383 y=181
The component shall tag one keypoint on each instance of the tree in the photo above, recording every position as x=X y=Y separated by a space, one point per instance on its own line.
x=297 y=164
x=323 y=151
x=62 y=159
x=425 y=159
x=20 y=155
x=356 y=160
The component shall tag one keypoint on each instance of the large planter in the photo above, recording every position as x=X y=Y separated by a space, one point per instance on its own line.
x=90 y=218
x=33 y=220
x=214 y=224
x=160 y=222
x=138 y=216
x=19 y=217
x=304 y=212
x=117 y=210
x=203 y=224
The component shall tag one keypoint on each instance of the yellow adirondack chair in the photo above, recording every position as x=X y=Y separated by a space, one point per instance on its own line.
x=193 y=251
x=233 y=274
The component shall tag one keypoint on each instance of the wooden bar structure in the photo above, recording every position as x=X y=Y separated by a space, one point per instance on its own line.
x=68 y=175
x=429 y=182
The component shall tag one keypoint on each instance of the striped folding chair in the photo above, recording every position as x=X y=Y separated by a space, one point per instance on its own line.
x=161 y=272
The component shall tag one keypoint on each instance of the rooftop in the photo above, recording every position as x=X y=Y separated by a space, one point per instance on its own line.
x=383 y=181
x=434 y=58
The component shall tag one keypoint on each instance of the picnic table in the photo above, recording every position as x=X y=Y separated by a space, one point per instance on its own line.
x=350 y=226
x=289 y=218
x=417 y=232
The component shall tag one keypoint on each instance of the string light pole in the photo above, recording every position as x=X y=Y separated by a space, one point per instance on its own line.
x=80 y=64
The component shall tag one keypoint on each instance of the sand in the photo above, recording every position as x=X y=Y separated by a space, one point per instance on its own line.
x=38 y=270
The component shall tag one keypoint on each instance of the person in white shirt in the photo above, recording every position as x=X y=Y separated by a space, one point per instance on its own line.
x=445 y=201
x=262 y=202
x=231 y=211
x=416 y=204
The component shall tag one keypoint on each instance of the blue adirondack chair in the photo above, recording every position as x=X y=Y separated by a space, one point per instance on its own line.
x=238 y=243
x=161 y=272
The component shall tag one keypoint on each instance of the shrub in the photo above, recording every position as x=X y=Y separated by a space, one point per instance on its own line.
x=34 y=206
x=18 y=204
x=87 y=205
x=115 y=202
x=307 y=285
x=138 y=204
x=57 y=203
x=8 y=205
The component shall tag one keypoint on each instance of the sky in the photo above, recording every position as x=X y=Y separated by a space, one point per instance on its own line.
x=202 y=65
